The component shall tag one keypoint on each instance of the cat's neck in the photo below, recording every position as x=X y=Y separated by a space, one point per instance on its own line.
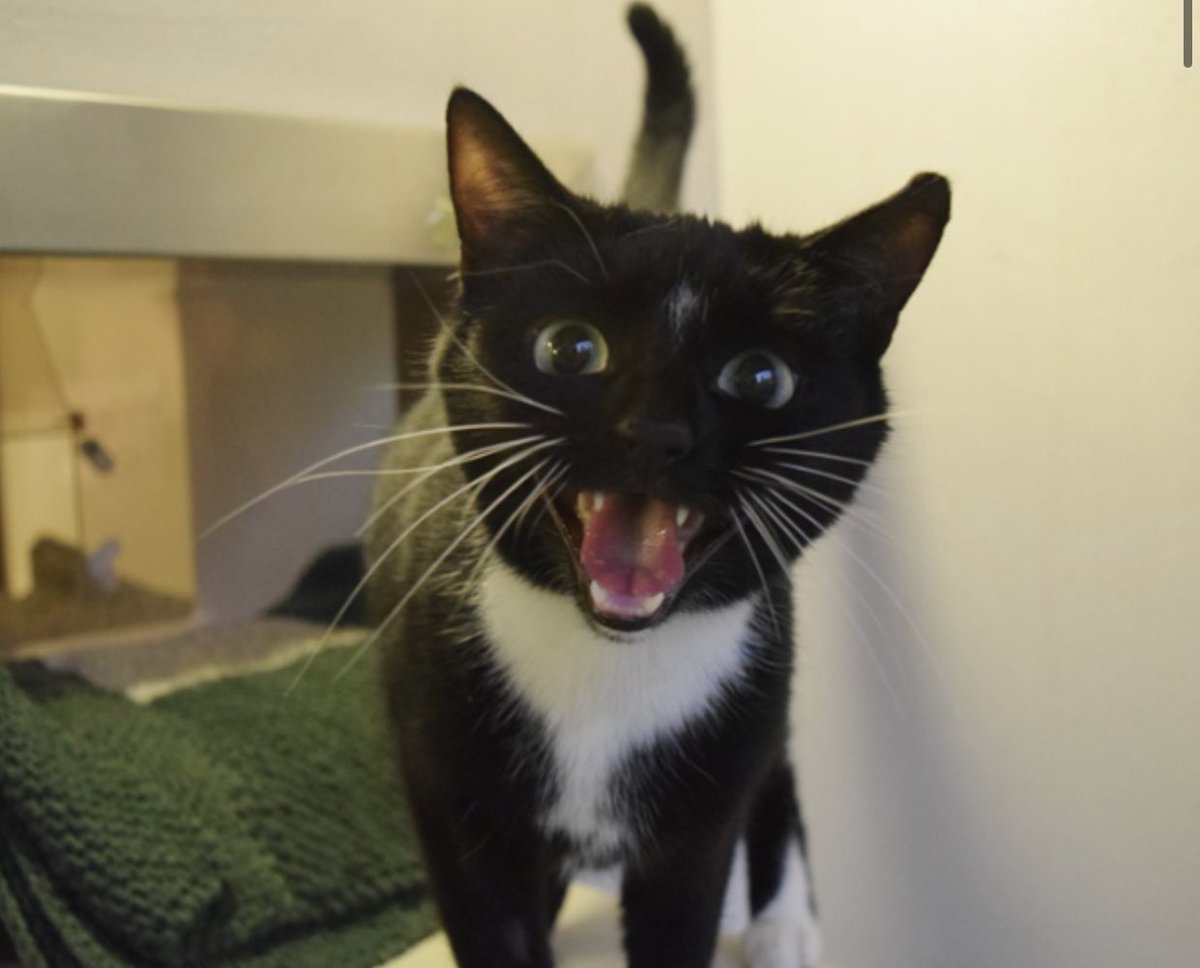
x=562 y=664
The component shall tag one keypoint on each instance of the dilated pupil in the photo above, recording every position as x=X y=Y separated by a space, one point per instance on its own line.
x=756 y=380
x=572 y=349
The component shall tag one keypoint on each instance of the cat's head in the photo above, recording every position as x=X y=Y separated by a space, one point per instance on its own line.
x=695 y=404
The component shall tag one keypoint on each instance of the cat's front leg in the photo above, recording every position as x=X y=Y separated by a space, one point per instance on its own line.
x=672 y=905
x=497 y=893
x=783 y=930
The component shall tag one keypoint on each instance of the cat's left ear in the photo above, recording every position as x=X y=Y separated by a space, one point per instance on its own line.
x=498 y=185
x=877 y=257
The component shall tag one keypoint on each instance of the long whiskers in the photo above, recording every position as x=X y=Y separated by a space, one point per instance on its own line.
x=761 y=476
x=301 y=475
x=557 y=263
x=823 y=455
x=586 y=234
x=800 y=538
x=478 y=453
x=476 y=388
x=437 y=563
x=476 y=485
x=453 y=336
x=893 y=598
x=541 y=491
x=845 y=425
x=743 y=504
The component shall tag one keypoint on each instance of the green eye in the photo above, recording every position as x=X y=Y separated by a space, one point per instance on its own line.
x=570 y=348
x=758 y=377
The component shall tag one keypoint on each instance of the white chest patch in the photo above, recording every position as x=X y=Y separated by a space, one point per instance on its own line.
x=601 y=699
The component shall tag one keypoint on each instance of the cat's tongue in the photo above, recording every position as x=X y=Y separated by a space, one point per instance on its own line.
x=631 y=552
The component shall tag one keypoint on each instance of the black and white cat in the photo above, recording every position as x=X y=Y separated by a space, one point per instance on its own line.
x=640 y=421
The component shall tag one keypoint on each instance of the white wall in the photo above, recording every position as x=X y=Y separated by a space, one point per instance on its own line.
x=1019 y=784
x=556 y=68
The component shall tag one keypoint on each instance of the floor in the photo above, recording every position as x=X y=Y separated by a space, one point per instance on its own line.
x=587 y=937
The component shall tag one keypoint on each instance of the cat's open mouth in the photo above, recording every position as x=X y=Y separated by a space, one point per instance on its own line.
x=632 y=555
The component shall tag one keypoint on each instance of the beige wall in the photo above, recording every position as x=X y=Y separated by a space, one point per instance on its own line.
x=1018 y=784
x=557 y=68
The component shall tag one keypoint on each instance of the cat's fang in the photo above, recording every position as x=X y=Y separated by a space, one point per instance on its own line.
x=589 y=502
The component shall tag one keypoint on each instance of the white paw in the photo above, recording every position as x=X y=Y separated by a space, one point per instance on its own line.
x=785 y=934
x=777 y=942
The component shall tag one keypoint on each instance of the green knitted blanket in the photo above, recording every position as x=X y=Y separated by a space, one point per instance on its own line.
x=233 y=823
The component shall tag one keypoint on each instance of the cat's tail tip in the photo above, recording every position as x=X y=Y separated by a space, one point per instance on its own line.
x=669 y=84
x=669 y=114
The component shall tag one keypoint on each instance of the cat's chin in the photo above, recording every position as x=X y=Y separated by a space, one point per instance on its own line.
x=622 y=629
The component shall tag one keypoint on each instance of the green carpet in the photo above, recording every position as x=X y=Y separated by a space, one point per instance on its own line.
x=227 y=824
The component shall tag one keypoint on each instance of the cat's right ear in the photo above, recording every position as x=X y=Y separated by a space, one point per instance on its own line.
x=497 y=183
x=876 y=258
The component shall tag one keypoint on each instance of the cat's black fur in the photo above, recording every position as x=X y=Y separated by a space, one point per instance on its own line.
x=658 y=426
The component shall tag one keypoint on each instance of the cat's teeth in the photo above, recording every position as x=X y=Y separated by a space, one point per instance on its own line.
x=653 y=603
x=626 y=606
x=681 y=517
x=589 y=502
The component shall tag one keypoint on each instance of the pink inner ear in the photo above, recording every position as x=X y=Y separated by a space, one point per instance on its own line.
x=913 y=246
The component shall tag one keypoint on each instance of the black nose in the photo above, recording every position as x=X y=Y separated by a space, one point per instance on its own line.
x=668 y=441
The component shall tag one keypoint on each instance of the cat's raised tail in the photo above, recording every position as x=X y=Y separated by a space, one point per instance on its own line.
x=656 y=169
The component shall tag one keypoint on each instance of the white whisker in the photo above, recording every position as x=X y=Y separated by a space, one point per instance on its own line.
x=830 y=476
x=586 y=234
x=799 y=452
x=768 y=598
x=846 y=425
x=449 y=331
x=477 y=483
x=802 y=537
x=518 y=515
x=558 y=263
x=349 y=451
x=437 y=563
x=858 y=514
x=472 y=455
x=887 y=590
x=472 y=387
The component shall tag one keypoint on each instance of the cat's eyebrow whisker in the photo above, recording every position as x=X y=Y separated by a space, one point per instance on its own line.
x=666 y=225
x=845 y=425
x=473 y=387
x=478 y=484
x=586 y=234
x=558 y=263
x=300 y=475
x=437 y=563
x=449 y=331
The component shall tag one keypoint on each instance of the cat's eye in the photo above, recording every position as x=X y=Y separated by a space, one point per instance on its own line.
x=570 y=348
x=758 y=377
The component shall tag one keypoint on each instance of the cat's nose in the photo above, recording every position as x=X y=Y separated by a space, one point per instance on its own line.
x=667 y=440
